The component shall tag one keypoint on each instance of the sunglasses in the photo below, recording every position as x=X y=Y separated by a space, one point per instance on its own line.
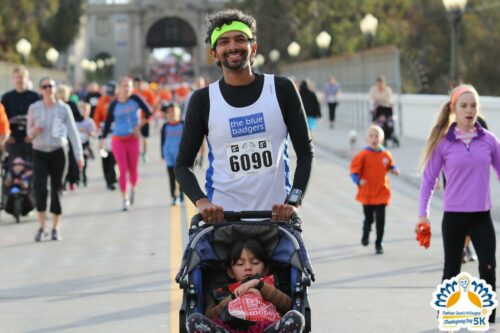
x=47 y=86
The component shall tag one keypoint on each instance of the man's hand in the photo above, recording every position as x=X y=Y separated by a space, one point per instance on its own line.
x=283 y=212
x=362 y=182
x=211 y=213
x=11 y=140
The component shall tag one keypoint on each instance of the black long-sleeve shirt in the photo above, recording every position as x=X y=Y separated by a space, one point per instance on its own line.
x=196 y=128
x=17 y=104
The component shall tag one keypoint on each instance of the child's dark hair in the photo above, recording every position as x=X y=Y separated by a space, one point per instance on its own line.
x=165 y=107
x=253 y=246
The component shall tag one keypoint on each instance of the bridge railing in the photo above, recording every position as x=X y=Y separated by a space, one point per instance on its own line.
x=414 y=115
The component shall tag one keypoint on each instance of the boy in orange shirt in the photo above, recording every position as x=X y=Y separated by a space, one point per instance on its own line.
x=369 y=170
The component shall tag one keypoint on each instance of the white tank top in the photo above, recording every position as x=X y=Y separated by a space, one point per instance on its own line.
x=248 y=154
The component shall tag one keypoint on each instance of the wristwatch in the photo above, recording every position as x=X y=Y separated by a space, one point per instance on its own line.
x=294 y=197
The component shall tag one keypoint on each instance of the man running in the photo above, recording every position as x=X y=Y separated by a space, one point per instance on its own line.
x=246 y=117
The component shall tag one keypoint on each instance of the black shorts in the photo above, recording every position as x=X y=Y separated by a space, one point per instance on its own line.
x=145 y=131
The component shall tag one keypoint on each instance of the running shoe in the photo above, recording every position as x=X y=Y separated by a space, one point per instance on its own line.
x=39 y=235
x=125 y=205
x=56 y=235
x=364 y=239
x=379 y=249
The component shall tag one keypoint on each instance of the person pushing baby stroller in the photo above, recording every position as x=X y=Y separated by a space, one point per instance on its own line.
x=382 y=101
x=246 y=274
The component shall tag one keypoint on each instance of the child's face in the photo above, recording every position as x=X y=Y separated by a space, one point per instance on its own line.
x=18 y=165
x=171 y=116
x=373 y=139
x=247 y=265
x=85 y=110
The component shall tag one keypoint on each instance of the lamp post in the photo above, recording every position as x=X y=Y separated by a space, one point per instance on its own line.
x=274 y=55
x=259 y=61
x=293 y=49
x=368 y=26
x=455 y=9
x=71 y=67
x=52 y=55
x=323 y=40
x=23 y=47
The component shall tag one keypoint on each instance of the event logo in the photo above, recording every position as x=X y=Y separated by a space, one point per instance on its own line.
x=247 y=125
x=464 y=302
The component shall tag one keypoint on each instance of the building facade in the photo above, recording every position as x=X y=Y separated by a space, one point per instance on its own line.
x=123 y=34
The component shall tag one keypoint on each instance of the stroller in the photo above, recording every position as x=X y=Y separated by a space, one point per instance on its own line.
x=17 y=189
x=202 y=268
x=383 y=117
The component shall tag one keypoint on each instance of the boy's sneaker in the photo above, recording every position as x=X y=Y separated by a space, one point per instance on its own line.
x=364 y=239
x=379 y=249
x=56 y=235
x=39 y=235
x=469 y=254
x=125 y=205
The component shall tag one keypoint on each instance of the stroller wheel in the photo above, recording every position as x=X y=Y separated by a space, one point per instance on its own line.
x=17 y=209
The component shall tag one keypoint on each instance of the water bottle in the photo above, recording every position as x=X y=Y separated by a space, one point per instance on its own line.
x=103 y=153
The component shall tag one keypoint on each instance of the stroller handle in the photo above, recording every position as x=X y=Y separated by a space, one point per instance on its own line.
x=230 y=216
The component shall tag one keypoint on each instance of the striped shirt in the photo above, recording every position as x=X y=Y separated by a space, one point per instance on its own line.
x=465 y=136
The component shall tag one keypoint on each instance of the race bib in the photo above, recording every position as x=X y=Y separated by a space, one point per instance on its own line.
x=250 y=157
x=58 y=128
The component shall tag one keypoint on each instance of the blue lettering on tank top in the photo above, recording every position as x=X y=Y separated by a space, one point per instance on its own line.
x=247 y=125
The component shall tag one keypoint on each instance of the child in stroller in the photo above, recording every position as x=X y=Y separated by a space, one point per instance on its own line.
x=384 y=119
x=209 y=286
x=17 y=186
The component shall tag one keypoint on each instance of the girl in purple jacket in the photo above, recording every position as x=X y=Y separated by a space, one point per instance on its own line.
x=464 y=150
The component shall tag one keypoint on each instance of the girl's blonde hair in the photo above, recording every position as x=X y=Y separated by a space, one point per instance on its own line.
x=375 y=128
x=444 y=120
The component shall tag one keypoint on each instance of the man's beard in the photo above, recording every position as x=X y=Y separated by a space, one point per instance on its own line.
x=238 y=65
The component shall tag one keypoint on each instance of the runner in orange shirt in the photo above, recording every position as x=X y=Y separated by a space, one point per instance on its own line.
x=4 y=127
x=369 y=170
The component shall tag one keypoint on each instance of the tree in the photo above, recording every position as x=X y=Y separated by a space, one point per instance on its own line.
x=37 y=21
x=419 y=28
x=63 y=27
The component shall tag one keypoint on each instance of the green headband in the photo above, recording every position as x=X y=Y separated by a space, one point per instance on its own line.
x=233 y=26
